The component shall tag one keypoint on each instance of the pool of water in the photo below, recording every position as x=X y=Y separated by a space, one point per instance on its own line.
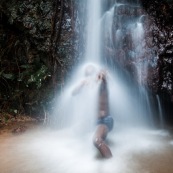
x=62 y=151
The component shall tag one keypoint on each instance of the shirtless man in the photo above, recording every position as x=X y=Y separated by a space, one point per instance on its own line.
x=104 y=120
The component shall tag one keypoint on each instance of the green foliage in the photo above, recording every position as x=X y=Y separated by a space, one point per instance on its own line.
x=38 y=77
x=8 y=76
x=26 y=67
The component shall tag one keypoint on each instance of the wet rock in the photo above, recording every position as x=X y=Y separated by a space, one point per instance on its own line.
x=19 y=130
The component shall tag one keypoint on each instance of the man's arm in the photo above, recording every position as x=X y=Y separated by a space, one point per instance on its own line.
x=79 y=87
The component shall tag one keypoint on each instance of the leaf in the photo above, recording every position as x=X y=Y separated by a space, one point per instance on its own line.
x=32 y=79
x=15 y=111
x=1 y=72
x=19 y=79
x=11 y=21
x=26 y=66
x=8 y=76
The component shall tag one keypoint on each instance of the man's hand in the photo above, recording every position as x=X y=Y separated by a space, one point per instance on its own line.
x=102 y=75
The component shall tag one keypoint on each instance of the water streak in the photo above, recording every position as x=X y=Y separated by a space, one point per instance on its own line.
x=160 y=112
x=92 y=52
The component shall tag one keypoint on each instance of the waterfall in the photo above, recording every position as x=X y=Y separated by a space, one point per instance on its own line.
x=123 y=43
x=160 y=112
x=115 y=41
x=92 y=52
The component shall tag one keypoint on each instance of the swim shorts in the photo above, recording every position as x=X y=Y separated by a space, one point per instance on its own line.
x=108 y=121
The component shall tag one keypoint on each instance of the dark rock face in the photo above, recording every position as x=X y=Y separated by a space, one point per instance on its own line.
x=161 y=29
x=156 y=52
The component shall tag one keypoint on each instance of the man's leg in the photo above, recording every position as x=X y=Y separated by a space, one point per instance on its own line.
x=99 y=141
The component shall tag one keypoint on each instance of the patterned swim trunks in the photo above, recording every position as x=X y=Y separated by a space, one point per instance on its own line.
x=108 y=121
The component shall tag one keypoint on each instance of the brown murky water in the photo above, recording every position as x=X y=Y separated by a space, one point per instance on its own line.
x=46 y=151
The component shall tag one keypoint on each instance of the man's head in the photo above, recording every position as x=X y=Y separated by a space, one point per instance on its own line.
x=89 y=70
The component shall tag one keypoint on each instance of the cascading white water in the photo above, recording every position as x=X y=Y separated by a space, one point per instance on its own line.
x=128 y=108
x=160 y=112
x=92 y=52
x=77 y=110
x=123 y=36
x=120 y=29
